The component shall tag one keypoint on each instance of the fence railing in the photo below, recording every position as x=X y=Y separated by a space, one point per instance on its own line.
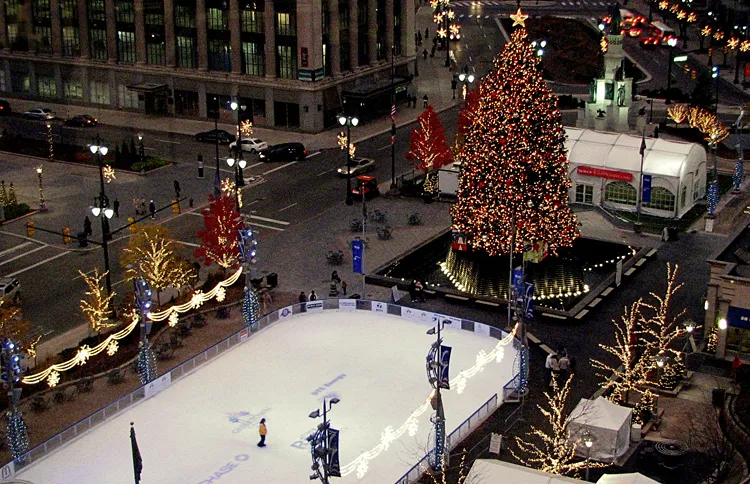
x=463 y=430
x=183 y=369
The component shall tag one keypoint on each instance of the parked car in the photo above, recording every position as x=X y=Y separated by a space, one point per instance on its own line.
x=4 y=107
x=284 y=152
x=82 y=120
x=215 y=134
x=39 y=113
x=10 y=289
x=358 y=166
x=253 y=145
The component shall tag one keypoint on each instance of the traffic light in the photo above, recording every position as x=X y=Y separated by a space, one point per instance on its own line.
x=715 y=72
x=66 y=235
x=693 y=74
x=176 y=206
x=30 y=229
x=132 y=226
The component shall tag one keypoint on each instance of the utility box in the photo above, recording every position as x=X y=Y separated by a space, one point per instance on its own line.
x=272 y=279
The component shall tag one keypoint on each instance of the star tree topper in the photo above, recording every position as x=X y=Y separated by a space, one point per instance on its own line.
x=519 y=18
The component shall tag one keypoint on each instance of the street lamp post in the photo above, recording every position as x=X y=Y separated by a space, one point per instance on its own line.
x=238 y=165
x=42 y=202
x=715 y=73
x=324 y=446
x=348 y=121
x=140 y=147
x=217 y=176
x=588 y=441
x=466 y=79
x=671 y=42
x=146 y=361
x=435 y=363
x=393 y=120
x=102 y=210
x=239 y=109
x=661 y=360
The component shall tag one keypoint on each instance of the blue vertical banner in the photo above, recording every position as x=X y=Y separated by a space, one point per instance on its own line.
x=357 y=256
x=334 y=467
x=646 y=194
x=528 y=301
x=445 y=362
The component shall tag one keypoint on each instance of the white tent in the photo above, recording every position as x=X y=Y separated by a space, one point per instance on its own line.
x=492 y=471
x=634 y=478
x=609 y=424
x=605 y=170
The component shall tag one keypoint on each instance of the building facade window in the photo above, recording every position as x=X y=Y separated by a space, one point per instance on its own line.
x=69 y=19
x=286 y=65
x=42 y=20
x=156 y=47
x=219 y=45
x=187 y=56
x=46 y=86
x=380 y=43
x=186 y=102
x=97 y=30
x=253 y=58
x=98 y=44
x=20 y=82
x=252 y=21
x=99 y=92
x=125 y=12
x=286 y=114
x=363 y=55
x=13 y=35
x=3 y=82
x=73 y=89
x=661 y=198
x=70 y=44
x=126 y=98
x=218 y=19
x=620 y=192
x=219 y=55
x=286 y=24
x=585 y=194
x=12 y=19
x=697 y=190
x=683 y=196
x=126 y=45
x=184 y=16
x=44 y=35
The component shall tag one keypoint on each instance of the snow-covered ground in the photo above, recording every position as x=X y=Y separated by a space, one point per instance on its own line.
x=204 y=428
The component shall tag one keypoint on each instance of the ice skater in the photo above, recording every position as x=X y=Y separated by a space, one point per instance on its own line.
x=262 y=431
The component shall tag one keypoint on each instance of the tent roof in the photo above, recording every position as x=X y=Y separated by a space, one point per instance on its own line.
x=622 y=152
x=491 y=471
x=634 y=478
x=600 y=413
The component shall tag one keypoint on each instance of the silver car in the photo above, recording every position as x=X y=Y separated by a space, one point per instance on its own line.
x=358 y=165
x=253 y=145
x=39 y=113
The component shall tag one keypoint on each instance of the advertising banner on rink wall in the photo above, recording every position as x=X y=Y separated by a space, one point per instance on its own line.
x=347 y=304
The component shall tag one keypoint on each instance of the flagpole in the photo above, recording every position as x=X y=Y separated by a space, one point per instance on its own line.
x=393 y=120
x=137 y=460
x=640 y=182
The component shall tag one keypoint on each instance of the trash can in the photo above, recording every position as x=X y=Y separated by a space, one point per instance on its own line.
x=672 y=233
x=635 y=433
x=272 y=279
x=717 y=397
x=81 y=236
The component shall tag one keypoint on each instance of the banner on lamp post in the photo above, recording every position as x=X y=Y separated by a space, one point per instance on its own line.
x=357 y=247
x=646 y=191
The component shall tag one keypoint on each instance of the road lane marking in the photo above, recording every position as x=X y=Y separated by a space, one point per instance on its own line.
x=37 y=264
x=280 y=222
x=189 y=244
x=255 y=224
x=146 y=148
x=15 y=248
x=288 y=207
x=324 y=172
x=280 y=167
x=23 y=255
x=86 y=273
x=384 y=147
x=167 y=141
x=313 y=154
x=254 y=165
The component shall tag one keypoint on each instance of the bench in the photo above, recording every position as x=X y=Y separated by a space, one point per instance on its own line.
x=164 y=351
x=653 y=423
x=199 y=321
x=85 y=385
x=39 y=404
x=175 y=340
x=65 y=394
x=116 y=376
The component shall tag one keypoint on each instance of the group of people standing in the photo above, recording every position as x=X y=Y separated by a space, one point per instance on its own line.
x=334 y=291
x=557 y=365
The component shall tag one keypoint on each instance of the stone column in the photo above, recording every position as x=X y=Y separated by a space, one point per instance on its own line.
x=270 y=116
x=3 y=29
x=235 y=21
x=169 y=35
x=389 y=28
x=334 y=39
x=372 y=31
x=54 y=10
x=408 y=27
x=83 y=30
x=354 y=34
x=109 y=9
x=140 y=33
x=269 y=52
x=202 y=31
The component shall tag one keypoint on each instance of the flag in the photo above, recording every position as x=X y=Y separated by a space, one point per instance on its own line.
x=137 y=461
x=393 y=112
x=393 y=133
x=643 y=145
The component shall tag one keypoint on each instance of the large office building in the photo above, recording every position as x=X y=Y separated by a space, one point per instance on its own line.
x=292 y=64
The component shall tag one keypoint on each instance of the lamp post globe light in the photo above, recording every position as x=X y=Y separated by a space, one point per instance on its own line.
x=324 y=446
x=671 y=42
x=239 y=109
x=467 y=79
x=102 y=210
x=140 y=147
x=348 y=121
x=238 y=165
x=588 y=441
x=42 y=202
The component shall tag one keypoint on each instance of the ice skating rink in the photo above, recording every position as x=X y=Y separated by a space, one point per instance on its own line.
x=203 y=428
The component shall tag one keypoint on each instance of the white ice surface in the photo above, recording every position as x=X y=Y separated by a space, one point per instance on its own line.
x=185 y=434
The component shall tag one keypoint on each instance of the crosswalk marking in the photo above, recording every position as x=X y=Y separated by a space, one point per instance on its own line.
x=14 y=248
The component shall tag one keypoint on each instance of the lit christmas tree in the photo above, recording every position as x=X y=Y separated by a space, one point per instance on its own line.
x=514 y=159
x=429 y=148
x=219 y=239
x=643 y=409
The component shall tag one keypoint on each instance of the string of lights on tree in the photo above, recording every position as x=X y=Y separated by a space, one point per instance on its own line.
x=411 y=424
x=514 y=158
x=16 y=433
x=52 y=373
x=429 y=149
x=248 y=255
x=219 y=239
x=702 y=119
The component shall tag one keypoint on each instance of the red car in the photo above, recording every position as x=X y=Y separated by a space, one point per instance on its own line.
x=650 y=42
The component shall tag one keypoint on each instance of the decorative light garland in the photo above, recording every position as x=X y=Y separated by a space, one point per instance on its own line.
x=411 y=424
x=52 y=373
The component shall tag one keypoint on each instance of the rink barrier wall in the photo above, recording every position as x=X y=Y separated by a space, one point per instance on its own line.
x=165 y=380
x=467 y=427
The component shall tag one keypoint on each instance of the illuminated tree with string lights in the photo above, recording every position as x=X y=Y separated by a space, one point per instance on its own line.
x=429 y=149
x=219 y=239
x=97 y=307
x=514 y=168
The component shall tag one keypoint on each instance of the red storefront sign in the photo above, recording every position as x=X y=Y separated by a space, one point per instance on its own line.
x=602 y=173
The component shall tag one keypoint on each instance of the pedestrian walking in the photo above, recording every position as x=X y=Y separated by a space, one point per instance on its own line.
x=262 y=431
x=116 y=207
x=335 y=277
x=424 y=99
x=427 y=33
x=564 y=363
x=432 y=52
x=343 y=287
x=143 y=206
x=137 y=205
x=266 y=300
x=548 y=369
x=313 y=296
x=177 y=189
x=419 y=38
x=302 y=297
x=87 y=226
x=152 y=209
x=555 y=364
x=420 y=290
x=424 y=54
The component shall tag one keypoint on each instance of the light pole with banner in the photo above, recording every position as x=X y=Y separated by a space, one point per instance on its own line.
x=438 y=368
x=248 y=256
x=102 y=210
x=348 y=121
x=324 y=446
x=239 y=109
